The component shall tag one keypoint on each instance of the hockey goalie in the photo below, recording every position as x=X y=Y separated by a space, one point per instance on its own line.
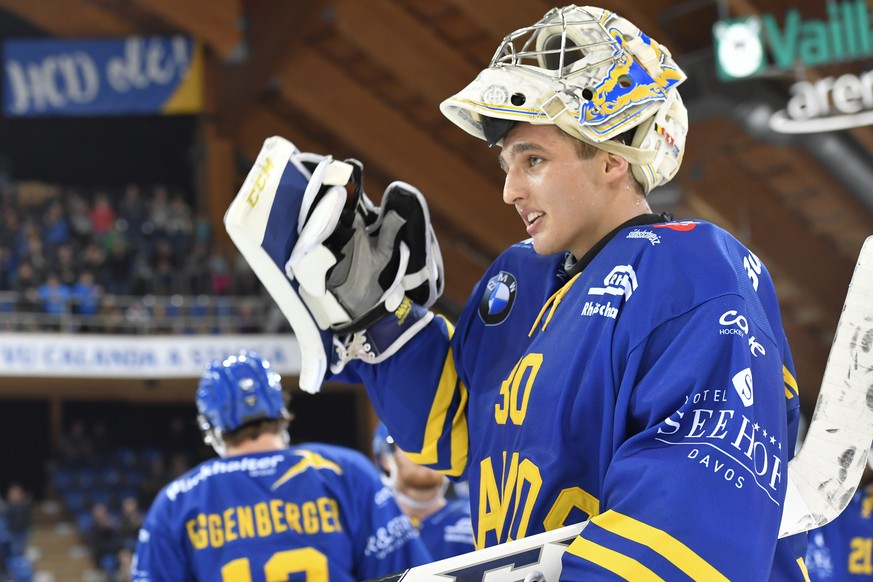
x=616 y=368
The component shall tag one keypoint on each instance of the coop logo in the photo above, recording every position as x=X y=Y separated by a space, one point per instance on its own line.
x=735 y=324
x=499 y=296
x=622 y=280
x=742 y=47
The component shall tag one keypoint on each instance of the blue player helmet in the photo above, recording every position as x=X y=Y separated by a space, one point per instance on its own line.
x=237 y=391
x=383 y=444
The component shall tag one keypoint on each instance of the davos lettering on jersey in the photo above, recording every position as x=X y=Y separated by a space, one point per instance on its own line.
x=723 y=440
x=499 y=296
x=214 y=530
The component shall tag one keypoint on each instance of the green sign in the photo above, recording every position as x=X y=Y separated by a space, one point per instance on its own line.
x=746 y=47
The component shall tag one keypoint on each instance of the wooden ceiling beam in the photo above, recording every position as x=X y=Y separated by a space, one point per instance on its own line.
x=276 y=30
x=218 y=23
x=54 y=17
x=499 y=17
x=262 y=123
x=405 y=46
x=386 y=137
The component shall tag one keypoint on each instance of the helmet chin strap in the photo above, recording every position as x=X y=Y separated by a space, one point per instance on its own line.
x=212 y=437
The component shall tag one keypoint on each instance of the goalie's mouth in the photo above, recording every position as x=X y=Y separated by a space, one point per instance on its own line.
x=531 y=219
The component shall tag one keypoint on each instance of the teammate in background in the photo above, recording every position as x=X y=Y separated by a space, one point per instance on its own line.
x=265 y=511
x=444 y=525
x=842 y=550
x=617 y=365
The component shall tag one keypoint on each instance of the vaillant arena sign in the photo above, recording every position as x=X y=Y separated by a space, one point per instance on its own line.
x=752 y=46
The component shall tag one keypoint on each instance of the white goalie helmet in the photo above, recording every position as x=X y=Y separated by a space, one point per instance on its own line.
x=593 y=74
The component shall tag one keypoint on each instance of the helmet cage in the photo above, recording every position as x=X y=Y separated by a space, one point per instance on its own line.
x=592 y=73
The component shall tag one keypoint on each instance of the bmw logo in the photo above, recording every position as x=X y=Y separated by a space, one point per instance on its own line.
x=499 y=296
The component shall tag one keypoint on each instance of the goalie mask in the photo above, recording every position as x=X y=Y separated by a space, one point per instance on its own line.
x=240 y=390
x=593 y=74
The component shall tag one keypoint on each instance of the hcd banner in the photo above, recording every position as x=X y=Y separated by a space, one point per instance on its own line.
x=129 y=76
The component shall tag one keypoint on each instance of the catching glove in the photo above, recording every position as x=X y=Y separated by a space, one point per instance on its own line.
x=374 y=257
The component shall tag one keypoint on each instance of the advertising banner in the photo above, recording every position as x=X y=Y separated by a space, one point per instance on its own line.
x=129 y=76
x=132 y=357
x=793 y=46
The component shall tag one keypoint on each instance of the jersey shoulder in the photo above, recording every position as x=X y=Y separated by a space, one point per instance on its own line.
x=349 y=460
x=684 y=256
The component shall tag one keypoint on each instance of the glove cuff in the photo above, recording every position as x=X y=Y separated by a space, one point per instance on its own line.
x=382 y=339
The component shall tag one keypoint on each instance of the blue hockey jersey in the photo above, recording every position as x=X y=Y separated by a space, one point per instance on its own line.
x=447 y=532
x=842 y=550
x=652 y=392
x=312 y=510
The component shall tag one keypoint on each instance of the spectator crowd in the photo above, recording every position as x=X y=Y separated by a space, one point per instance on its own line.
x=141 y=260
x=106 y=489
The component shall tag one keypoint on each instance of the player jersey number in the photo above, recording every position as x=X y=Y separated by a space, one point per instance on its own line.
x=280 y=566
x=861 y=556
x=513 y=407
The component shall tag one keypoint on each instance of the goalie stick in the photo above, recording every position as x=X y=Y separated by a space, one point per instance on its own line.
x=822 y=477
x=825 y=473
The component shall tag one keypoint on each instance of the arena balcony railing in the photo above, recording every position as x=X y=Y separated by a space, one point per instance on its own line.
x=143 y=315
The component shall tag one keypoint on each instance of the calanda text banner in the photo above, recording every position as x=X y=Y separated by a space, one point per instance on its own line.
x=105 y=356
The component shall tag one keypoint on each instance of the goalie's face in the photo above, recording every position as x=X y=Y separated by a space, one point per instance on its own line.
x=567 y=201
